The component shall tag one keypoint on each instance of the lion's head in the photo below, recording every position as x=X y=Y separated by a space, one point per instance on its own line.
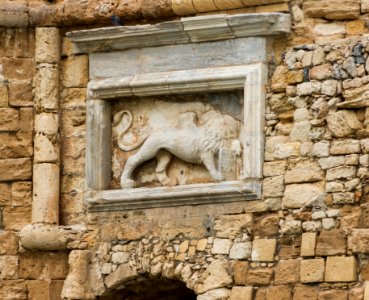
x=218 y=128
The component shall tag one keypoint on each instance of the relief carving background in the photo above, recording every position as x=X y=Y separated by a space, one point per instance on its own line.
x=153 y=115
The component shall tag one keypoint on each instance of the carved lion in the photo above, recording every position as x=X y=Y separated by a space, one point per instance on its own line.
x=188 y=141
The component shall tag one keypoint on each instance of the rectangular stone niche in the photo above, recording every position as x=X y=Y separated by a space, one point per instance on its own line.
x=195 y=88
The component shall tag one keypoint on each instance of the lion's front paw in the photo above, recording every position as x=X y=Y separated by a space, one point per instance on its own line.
x=169 y=181
x=218 y=177
x=127 y=184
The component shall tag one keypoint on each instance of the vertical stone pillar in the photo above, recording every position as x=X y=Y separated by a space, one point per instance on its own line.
x=46 y=168
x=98 y=141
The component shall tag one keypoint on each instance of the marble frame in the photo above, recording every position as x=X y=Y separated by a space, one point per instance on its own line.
x=244 y=39
x=251 y=78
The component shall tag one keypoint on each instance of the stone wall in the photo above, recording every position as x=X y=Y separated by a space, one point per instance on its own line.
x=307 y=238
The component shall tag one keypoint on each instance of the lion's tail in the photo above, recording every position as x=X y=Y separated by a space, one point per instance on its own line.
x=117 y=122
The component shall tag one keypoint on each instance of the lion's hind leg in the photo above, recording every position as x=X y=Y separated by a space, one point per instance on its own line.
x=163 y=159
x=148 y=151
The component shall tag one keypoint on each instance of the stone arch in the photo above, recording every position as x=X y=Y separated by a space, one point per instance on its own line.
x=112 y=267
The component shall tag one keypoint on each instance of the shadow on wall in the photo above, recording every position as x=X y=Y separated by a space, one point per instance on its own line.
x=148 y=288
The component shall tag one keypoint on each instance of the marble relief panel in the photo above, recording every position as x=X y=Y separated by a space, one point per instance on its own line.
x=177 y=140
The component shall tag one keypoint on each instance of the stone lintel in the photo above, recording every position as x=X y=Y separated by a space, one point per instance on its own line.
x=175 y=82
x=187 y=30
x=194 y=194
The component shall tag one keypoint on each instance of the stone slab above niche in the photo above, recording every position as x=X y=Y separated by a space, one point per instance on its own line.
x=175 y=114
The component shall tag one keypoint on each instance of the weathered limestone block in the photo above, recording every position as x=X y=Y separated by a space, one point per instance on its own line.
x=15 y=218
x=20 y=93
x=8 y=267
x=260 y=276
x=356 y=94
x=344 y=198
x=240 y=270
x=283 y=76
x=270 y=145
x=47 y=45
x=304 y=171
x=44 y=290
x=15 y=169
x=305 y=292
x=300 y=131
x=26 y=119
x=217 y=294
x=13 y=289
x=263 y=250
x=21 y=193
x=8 y=243
x=332 y=294
x=5 y=194
x=121 y=275
x=321 y=72
x=4 y=95
x=43 y=265
x=266 y=225
x=290 y=227
x=73 y=98
x=45 y=206
x=84 y=280
x=240 y=250
x=201 y=245
x=342 y=172
x=343 y=123
x=273 y=186
x=15 y=145
x=328 y=29
x=242 y=293
x=287 y=271
x=309 y=88
x=364 y=6
x=302 y=195
x=365 y=145
x=229 y=226
x=308 y=244
x=332 y=242
x=312 y=270
x=321 y=149
x=341 y=269
x=358 y=241
x=279 y=292
x=75 y=71
x=274 y=168
x=332 y=9
x=329 y=87
x=279 y=103
x=221 y=246
x=347 y=146
x=47 y=88
x=287 y=150
x=9 y=119
x=216 y=276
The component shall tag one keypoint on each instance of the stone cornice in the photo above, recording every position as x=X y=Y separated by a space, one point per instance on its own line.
x=186 y=30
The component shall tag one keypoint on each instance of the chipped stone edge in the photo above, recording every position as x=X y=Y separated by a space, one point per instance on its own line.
x=187 y=30
x=251 y=78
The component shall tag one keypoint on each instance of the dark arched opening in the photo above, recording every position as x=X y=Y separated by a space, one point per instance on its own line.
x=146 y=288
